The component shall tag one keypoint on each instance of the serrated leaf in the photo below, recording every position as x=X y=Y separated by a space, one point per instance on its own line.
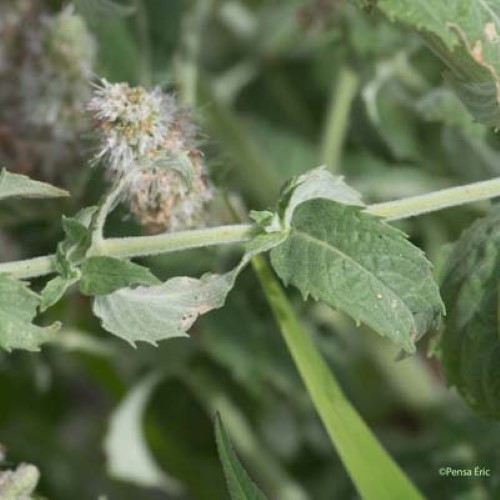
x=127 y=455
x=102 y=275
x=17 y=309
x=155 y=313
x=239 y=484
x=470 y=343
x=16 y=185
x=362 y=266
x=370 y=467
x=465 y=35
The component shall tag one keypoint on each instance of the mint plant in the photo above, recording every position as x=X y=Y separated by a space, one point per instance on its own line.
x=318 y=238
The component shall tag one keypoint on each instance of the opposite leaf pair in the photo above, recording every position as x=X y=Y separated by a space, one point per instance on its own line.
x=321 y=241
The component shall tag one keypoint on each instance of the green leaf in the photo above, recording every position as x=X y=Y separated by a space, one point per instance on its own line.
x=78 y=238
x=470 y=343
x=102 y=275
x=465 y=35
x=127 y=455
x=314 y=184
x=154 y=313
x=371 y=468
x=239 y=484
x=55 y=289
x=70 y=252
x=17 y=309
x=15 y=185
x=359 y=264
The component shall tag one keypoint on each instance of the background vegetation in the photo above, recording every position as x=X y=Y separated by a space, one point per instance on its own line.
x=278 y=87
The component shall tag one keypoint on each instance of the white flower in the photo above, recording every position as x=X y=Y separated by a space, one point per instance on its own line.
x=135 y=124
x=150 y=139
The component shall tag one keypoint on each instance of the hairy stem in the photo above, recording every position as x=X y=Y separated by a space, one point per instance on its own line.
x=139 y=247
x=109 y=201
x=337 y=119
x=239 y=233
x=438 y=200
x=192 y=41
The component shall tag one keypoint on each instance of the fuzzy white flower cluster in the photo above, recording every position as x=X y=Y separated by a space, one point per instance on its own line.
x=134 y=123
x=148 y=137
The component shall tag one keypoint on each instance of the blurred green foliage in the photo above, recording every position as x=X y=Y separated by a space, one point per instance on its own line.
x=262 y=76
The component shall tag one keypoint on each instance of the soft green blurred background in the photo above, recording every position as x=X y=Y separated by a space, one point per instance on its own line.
x=276 y=86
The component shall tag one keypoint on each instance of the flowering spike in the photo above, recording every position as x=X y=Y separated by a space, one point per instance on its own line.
x=148 y=137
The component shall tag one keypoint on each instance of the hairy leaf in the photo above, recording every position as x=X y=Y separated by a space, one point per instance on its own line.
x=78 y=238
x=15 y=185
x=55 y=289
x=70 y=252
x=17 y=309
x=470 y=344
x=102 y=275
x=317 y=183
x=169 y=310
x=155 y=313
x=357 y=263
x=239 y=484
x=314 y=184
x=465 y=35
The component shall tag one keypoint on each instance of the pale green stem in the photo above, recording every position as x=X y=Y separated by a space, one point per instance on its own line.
x=145 y=43
x=171 y=242
x=29 y=268
x=438 y=200
x=139 y=247
x=337 y=120
x=193 y=26
x=109 y=200
x=372 y=470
